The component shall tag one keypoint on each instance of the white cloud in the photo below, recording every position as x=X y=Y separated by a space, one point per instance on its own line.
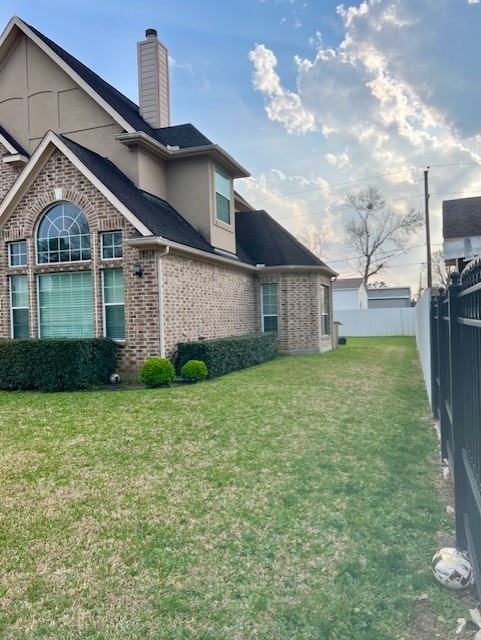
x=281 y=105
x=397 y=94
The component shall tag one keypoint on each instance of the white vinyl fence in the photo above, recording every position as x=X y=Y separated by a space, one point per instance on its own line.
x=376 y=322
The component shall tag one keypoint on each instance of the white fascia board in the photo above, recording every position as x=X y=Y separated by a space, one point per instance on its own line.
x=15 y=159
x=9 y=147
x=38 y=160
x=17 y=22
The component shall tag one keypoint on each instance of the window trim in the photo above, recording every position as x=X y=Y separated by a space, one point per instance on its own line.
x=66 y=273
x=102 y=235
x=325 y=312
x=12 y=308
x=270 y=315
x=10 y=245
x=111 y=304
x=81 y=249
x=219 y=171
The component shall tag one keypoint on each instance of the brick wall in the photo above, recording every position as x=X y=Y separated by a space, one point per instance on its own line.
x=203 y=299
x=142 y=337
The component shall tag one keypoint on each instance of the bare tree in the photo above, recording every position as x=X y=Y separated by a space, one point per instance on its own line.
x=377 y=233
x=440 y=273
x=313 y=238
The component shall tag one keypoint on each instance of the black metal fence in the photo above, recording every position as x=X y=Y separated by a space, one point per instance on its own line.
x=456 y=400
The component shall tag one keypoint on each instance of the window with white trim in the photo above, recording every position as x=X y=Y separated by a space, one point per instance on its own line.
x=269 y=307
x=111 y=245
x=19 y=307
x=113 y=301
x=63 y=235
x=325 y=311
x=223 y=196
x=65 y=305
x=17 y=254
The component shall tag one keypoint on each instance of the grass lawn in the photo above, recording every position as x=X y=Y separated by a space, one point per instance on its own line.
x=294 y=500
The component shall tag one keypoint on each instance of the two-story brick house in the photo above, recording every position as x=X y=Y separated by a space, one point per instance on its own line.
x=115 y=223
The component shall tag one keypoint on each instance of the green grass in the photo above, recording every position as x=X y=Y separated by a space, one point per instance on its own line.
x=292 y=500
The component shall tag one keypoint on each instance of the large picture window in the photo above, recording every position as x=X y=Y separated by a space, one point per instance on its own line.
x=65 y=304
x=63 y=235
x=269 y=303
x=19 y=306
x=222 y=195
x=114 y=314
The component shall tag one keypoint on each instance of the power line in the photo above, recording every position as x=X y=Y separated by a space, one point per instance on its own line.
x=381 y=175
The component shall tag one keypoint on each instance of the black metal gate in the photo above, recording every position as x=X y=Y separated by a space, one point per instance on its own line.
x=456 y=400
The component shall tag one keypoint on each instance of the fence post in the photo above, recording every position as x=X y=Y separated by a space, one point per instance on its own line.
x=457 y=409
x=444 y=378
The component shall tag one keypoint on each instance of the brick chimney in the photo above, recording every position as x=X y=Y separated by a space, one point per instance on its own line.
x=153 y=65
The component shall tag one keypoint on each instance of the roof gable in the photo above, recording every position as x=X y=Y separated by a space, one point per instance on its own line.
x=35 y=165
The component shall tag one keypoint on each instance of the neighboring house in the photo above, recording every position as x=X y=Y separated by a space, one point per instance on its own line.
x=115 y=223
x=389 y=297
x=461 y=231
x=349 y=293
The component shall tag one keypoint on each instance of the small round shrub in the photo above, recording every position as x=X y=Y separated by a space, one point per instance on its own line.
x=194 y=371
x=156 y=372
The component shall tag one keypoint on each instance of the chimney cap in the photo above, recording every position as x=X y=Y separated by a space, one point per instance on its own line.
x=151 y=32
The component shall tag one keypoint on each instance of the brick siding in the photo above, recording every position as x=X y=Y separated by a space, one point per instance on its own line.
x=199 y=298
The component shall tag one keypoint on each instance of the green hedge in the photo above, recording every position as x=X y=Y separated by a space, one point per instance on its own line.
x=56 y=364
x=223 y=355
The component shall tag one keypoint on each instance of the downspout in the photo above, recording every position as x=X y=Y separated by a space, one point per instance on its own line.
x=160 y=296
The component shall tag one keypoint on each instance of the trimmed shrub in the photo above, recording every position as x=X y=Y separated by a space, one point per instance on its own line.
x=223 y=355
x=156 y=372
x=56 y=364
x=194 y=371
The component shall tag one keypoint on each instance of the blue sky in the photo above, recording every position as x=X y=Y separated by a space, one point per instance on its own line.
x=315 y=98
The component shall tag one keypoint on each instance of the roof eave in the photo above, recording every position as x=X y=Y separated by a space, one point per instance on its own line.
x=299 y=268
x=148 y=143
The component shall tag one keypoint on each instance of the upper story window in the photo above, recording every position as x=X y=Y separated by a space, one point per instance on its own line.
x=111 y=243
x=63 y=235
x=17 y=254
x=223 y=183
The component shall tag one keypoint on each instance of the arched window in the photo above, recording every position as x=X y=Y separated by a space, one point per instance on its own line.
x=63 y=235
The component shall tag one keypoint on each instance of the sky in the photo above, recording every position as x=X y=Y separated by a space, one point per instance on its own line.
x=316 y=99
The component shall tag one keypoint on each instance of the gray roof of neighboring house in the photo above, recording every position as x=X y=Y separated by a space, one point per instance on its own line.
x=348 y=283
x=183 y=135
x=390 y=292
x=462 y=217
x=266 y=242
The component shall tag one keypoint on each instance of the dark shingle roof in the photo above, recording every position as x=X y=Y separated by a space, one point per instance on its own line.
x=156 y=214
x=462 y=217
x=13 y=142
x=183 y=135
x=265 y=241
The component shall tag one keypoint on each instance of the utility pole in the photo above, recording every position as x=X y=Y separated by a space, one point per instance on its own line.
x=428 y=233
